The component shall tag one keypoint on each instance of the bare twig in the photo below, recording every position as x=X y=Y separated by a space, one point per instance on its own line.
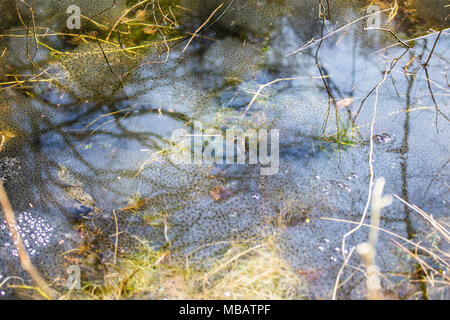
x=410 y=40
x=391 y=32
x=203 y=25
x=262 y=87
x=338 y=278
x=367 y=250
x=315 y=41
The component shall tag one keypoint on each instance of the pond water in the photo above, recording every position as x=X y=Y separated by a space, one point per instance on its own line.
x=91 y=129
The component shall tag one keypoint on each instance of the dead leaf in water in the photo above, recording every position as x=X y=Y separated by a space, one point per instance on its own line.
x=135 y=205
x=310 y=275
x=220 y=193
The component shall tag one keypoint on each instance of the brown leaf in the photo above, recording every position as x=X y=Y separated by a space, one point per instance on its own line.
x=220 y=193
x=135 y=205
x=310 y=275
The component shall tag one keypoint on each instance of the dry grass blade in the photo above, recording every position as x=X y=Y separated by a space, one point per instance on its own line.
x=418 y=246
x=422 y=263
x=217 y=269
x=442 y=230
x=124 y=14
x=338 y=278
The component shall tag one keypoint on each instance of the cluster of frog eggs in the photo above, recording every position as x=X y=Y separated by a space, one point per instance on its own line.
x=337 y=250
x=9 y=168
x=53 y=13
x=35 y=233
x=339 y=184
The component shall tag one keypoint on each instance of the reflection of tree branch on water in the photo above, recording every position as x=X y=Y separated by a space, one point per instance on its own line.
x=425 y=66
x=392 y=66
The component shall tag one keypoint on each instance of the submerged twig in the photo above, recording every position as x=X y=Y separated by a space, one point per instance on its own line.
x=24 y=258
x=434 y=178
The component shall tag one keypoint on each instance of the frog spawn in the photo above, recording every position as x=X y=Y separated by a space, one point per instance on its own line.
x=181 y=215
x=93 y=71
x=195 y=227
x=54 y=12
x=9 y=16
x=9 y=168
x=35 y=233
